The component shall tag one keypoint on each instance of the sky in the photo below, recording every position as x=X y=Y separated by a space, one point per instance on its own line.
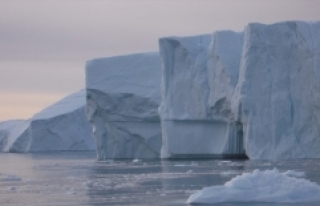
x=44 y=44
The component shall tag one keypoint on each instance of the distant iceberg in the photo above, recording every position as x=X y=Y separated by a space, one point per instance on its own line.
x=259 y=186
x=60 y=127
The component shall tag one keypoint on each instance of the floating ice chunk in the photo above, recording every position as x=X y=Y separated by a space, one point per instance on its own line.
x=260 y=186
x=293 y=173
x=189 y=171
x=230 y=172
x=136 y=160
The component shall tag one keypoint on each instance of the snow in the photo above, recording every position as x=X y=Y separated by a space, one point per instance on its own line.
x=61 y=126
x=259 y=186
x=123 y=96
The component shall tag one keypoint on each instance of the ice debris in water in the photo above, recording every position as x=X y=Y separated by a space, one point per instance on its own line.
x=260 y=186
x=230 y=172
x=294 y=173
x=136 y=160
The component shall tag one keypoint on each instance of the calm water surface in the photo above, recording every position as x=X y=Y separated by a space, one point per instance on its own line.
x=68 y=179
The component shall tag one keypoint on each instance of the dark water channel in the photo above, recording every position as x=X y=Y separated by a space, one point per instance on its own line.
x=76 y=178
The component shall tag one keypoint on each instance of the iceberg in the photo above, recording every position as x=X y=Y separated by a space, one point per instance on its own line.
x=278 y=92
x=123 y=96
x=254 y=93
x=200 y=74
x=60 y=127
x=260 y=186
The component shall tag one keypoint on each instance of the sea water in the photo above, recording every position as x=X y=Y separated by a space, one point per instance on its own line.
x=76 y=178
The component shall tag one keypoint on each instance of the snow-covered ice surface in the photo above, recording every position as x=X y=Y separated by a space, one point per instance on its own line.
x=123 y=96
x=260 y=186
x=61 y=126
x=77 y=179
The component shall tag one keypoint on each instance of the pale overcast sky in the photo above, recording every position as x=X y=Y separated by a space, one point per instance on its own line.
x=44 y=44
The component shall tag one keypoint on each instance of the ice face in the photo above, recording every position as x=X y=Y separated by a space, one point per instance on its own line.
x=123 y=96
x=255 y=92
x=199 y=77
x=278 y=92
x=61 y=126
x=259 y=186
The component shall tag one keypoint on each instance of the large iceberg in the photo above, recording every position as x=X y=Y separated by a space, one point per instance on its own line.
x=60 y=127
x=255 y=92
x=277 y=98
x=260 y=186
x=123 y=96
x=199 y=77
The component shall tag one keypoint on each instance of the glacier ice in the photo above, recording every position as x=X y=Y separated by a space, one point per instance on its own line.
x=277 y=97
x=61 y=126
x=255 y=92
x=199 y=77
x=259 y=186
x=123 y=96
x=229 y=94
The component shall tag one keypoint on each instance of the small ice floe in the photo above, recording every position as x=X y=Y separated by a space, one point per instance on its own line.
x=189 y=172
x=11 y=178
x=181 y=165
x=124 y=185
x=224 y=163
x=136 y=160
x=293 y=173
x=259 y=186
x=235 y=164
x=230 y=173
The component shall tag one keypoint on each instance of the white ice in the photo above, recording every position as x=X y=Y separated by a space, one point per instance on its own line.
x=259 y=186
x=123 y=96
x=61 y=126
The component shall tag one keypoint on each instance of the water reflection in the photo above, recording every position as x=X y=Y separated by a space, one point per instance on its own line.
x=77 y=179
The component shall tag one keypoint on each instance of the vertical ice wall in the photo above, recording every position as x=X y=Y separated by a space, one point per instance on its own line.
x=278 y=93
x=199 y=76
x=123 y=96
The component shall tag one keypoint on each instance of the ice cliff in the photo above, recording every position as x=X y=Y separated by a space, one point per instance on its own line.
x=61 y=126
x=123 y=96
x=277 y=97
x=256 y=93
x=199 y=77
